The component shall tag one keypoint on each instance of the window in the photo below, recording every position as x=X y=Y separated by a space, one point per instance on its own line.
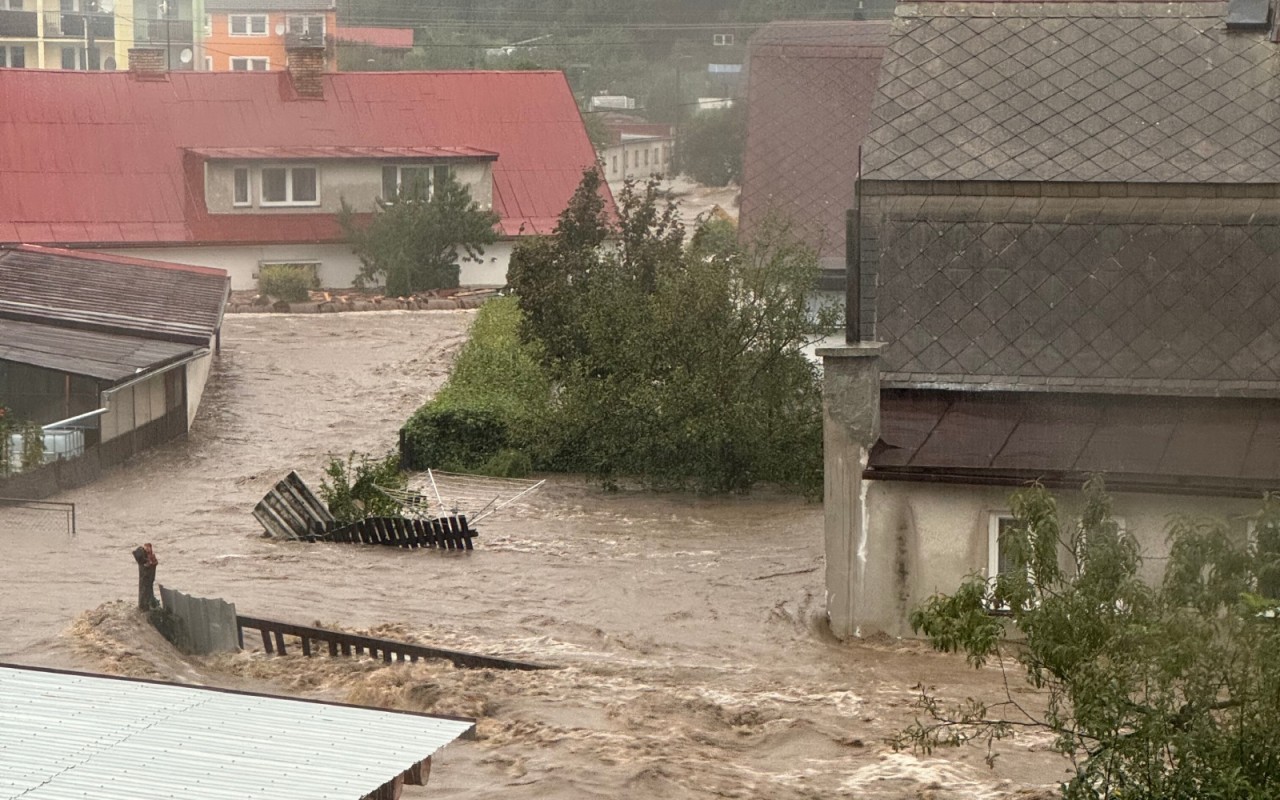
x=614 y=169
x=208 y=24
x=248 y=24
x=11 y=5
x=289 y=186
x=208 y=63
x=70 y=58
x=240 y=187
x=998 y=560
x=305 y=26
x=14 y=56
x=646 y=158
x=721 y=39
x=246 y=64
x=419 y=179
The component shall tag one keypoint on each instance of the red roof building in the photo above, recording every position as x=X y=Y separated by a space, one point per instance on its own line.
x=236 y=170
x=384 y=38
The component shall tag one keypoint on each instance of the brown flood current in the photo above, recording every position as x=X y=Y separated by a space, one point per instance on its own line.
x=694 y=662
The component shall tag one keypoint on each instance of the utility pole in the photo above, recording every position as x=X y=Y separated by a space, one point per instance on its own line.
x=90 y=7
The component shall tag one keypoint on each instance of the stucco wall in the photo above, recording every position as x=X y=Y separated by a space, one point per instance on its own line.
x=338 y=266
x=359 y=182
x=925 y=538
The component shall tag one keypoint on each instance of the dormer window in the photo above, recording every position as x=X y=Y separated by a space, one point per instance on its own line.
x=412 y=180
x=290 y=186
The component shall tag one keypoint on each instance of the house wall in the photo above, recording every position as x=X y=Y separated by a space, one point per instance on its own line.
x=926 y=538
x=220 y=46
x=197 y=375
x=637 y=158
x=358 y=182
x=338 y=266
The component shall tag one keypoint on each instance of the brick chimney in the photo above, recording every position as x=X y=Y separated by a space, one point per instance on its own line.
x=306 y=70
x=147 y=63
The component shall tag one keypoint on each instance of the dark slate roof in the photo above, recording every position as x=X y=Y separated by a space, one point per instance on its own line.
x=106 y=356
x=1119 y=294
x=1226 y=446
x=1121 y=91
x=112 y=294
x=809 y=97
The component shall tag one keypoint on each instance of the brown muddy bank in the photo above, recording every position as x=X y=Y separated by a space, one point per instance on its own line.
x=688 y=630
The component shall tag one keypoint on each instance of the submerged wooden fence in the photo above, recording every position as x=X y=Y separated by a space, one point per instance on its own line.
x=350 y=644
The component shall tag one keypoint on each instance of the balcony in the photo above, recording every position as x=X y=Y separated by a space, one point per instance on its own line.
x=22 y=24
x=306 y=40
x=71 y=25
x=163 y=31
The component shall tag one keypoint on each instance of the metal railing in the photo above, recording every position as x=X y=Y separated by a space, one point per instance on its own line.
x=163 y=31
x=22 y=24
x=71 y=25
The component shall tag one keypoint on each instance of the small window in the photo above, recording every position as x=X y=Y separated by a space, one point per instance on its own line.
x=311 y=27
x=646 y=158
x=241 y=195
x=70 y=58
x=721 y=39
x=614 y=168
x=248 y=24
x=17 y=57
x=440 y=174
x=998 y=559
x=289 y=186
x=245 y=64
x=208 y=63
x=419 y=180
x=208 y=24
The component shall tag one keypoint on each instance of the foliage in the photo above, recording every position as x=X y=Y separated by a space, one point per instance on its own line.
x=597 y=132
x=412 y=245
x=30 y=451
x=1164 y=691
x=679 y=365
x=288 y=282
x=350 y=488
x=496 y=398
x=711 y=144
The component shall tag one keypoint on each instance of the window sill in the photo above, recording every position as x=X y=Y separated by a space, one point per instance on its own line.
x=265 y=204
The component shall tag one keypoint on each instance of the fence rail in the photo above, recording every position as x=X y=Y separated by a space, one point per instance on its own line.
x=40 y=510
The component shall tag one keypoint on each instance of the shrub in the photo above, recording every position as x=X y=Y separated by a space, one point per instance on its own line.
x=350 y=488
x=452 y=439
x=288 y=282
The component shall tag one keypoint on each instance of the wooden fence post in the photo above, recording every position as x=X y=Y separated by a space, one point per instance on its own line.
x=147 y=563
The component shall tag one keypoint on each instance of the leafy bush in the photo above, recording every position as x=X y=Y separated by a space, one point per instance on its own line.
x=452 y=439
x=350 y=488
x=288 y=282
x=1164 y=691
x=711 y=145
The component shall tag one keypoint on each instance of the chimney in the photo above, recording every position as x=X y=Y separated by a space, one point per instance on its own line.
x=306 y=70
x=147 y=63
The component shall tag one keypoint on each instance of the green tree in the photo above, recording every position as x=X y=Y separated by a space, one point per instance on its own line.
x=413 y=241
x=711 y=144
x=1154 y=691
x=680 y=365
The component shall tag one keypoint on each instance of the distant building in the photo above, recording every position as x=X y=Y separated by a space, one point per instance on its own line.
x=809 y=99
x=637 y=149
x=255 y=35
x=96 y=34
x=111 y=354
x=242 y=170
x=396 y=40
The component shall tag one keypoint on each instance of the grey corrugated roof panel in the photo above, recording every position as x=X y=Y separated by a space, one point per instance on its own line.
x=71 y=735
x=106 y=356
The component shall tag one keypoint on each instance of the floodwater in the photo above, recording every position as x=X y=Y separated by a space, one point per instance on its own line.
x=688 y=633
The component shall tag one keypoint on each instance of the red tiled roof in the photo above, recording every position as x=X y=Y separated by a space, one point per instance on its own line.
x=104 y=158
x=809 y=98
x=389 y=38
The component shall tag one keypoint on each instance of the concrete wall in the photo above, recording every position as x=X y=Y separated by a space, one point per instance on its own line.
x=197 y=377
x=637 y=158
x=358 y=182
x=337 y=268
x=925 y=538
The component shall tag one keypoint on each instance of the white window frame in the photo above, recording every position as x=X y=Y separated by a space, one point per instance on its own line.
x=430 y=168
x=288 y=187
x=721 y=39
x=208 y=24
x=208 y=63
x=306 y=23
x=248 y=62
x=248 y=178
x=249 y=19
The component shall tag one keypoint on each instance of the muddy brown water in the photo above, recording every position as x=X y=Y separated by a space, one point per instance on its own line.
x=688 y=631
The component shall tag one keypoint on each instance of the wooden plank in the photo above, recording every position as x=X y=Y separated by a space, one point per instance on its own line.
x=466 y=532
x=333 y=648
x=280 y=643
x=266 y=641
x=306 y=646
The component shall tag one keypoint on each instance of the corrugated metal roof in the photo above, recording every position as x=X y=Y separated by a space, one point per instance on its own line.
x=1212 y=445
x=386 y=38
x=106 y=356
x=72 y=735
x=286 y=153
x=131 y=180
x=112 y=294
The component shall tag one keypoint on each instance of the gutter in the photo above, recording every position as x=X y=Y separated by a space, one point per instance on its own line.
x=105 y=396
